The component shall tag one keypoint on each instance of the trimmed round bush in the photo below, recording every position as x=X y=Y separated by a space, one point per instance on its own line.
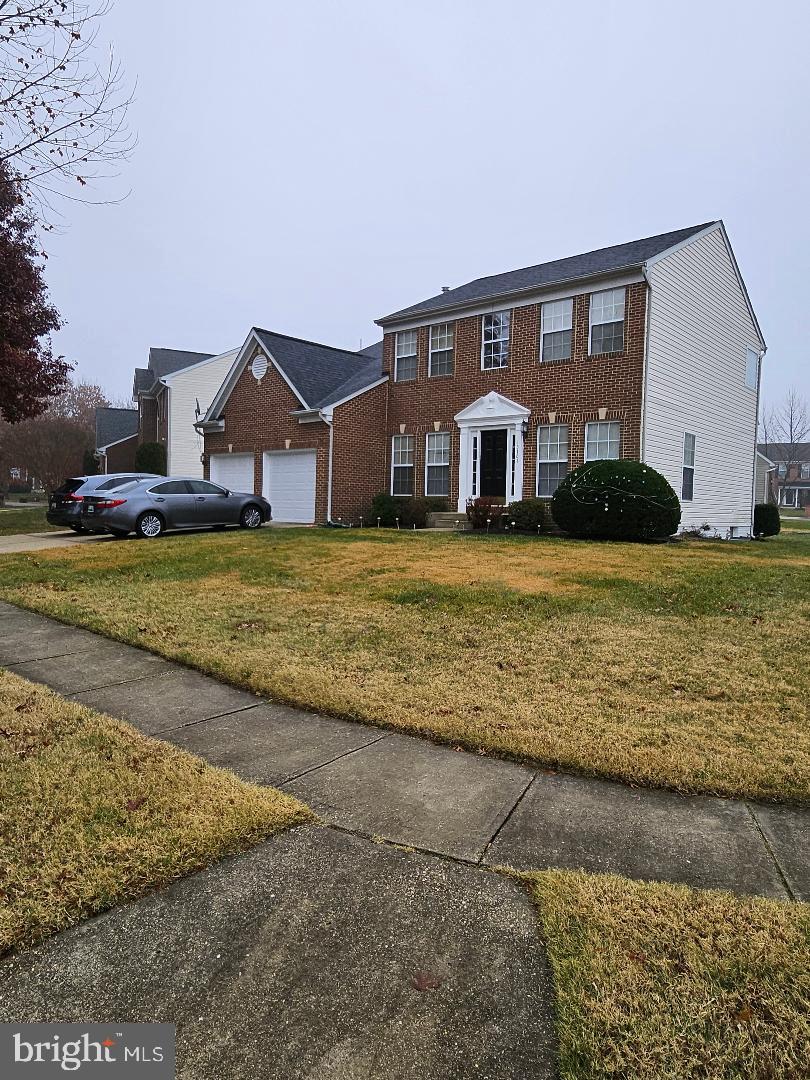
x=766 y=519
x=616 y=500
x=528 y=515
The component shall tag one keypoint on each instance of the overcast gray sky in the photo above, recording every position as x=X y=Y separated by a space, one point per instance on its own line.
x=310 y=166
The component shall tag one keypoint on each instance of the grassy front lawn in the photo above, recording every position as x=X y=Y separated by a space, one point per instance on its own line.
x=802 y=523
x=680 y=664
x=23 y=521
x=659 y=980
x=93 y=813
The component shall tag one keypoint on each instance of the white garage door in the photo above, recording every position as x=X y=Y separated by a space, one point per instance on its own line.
x=289 y=485
x=234 y=471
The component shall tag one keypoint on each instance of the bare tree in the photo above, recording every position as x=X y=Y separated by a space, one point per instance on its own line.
x=62 y=109
x=785 y=428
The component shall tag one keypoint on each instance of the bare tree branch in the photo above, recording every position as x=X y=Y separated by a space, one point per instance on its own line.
x=62 y=115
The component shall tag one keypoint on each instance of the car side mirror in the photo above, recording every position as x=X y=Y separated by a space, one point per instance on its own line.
x=226 y=493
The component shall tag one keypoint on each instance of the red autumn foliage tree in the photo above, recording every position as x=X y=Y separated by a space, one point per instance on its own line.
x=30 y=374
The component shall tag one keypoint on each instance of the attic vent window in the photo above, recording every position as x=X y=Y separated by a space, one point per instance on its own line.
x=259 y=366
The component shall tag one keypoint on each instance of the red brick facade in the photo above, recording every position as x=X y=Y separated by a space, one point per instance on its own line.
x=575 y=390
x=120 y=457
x=582 y=389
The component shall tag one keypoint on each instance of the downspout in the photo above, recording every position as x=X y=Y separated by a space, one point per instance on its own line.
x=647 y=313
x=327 y=419
x=756 y=438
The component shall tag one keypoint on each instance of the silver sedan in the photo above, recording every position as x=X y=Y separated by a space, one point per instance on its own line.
x=152 y=507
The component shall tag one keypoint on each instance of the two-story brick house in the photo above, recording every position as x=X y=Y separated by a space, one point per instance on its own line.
x=647 y=350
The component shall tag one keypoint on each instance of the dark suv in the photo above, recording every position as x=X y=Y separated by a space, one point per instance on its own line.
x=65 y=503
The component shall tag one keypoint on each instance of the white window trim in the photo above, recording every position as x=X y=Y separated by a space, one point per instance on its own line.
x=411 y=466
x=752 y=367
x=507 y=339
x=414 y=354
x=605 y=322
x=431 y=350
x=561 y=300
x=684 y=466
x=558 y=461
x=592 y=423
x=448 y=466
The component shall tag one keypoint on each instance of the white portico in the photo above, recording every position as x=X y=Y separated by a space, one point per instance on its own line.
x=491 y=434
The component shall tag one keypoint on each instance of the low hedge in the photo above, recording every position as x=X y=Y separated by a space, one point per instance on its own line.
x=616 y=500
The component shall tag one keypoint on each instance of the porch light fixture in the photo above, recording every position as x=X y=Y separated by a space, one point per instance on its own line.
x=524 y=429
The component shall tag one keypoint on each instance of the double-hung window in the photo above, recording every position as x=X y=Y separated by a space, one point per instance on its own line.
x=804 y=471
x=602 y=440
x=688 y=476
x=555 y=329
x=437 y=463
x=607 y=321
x=495 y=335
x=405 y=356
x=402 y=465
x=552 y=458
x=440 y=361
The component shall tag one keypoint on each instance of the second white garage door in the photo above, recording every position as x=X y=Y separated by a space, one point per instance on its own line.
x=234 y=471
x=289 y=485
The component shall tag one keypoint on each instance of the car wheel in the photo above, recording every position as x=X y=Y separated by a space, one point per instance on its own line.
x=251 y=517
x=149 y=525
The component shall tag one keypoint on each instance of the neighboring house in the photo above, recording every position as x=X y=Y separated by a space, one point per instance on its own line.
x=792 y=463
x=766 y=487
x=116 y=439
x=647 y=350
x=302 y=423
x=173 y=392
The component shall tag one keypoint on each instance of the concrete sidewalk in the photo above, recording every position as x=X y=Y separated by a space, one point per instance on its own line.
x=411 y=792
x=314 y=956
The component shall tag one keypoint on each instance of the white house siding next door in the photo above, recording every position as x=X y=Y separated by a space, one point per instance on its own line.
x=289 y=485
x=234 y=471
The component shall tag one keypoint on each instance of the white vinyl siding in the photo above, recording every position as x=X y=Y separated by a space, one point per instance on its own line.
x=440 y=361
x=405 y=362
x=700 y=331
x=556 y=320
x=602 y=440
x=199 y=383
x=552 y=458
x=437 y=463
x=495 y=340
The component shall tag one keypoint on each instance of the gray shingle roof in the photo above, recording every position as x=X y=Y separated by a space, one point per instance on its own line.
x=112 y=425
x=601 y=261
x=166 y=361
x=373 y=350
x=321 y=374
x=785 y=451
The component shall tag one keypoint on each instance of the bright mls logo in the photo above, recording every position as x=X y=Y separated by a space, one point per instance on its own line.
x=35 y=1051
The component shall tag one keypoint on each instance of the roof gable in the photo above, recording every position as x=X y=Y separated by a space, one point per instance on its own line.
x=113 y=425
x=589 y=264
x=319 y=375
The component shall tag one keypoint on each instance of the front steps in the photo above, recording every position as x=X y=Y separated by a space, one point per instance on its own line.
x=448 y=521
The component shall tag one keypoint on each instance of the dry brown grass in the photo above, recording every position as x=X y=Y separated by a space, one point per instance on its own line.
x=93 y=813
x=658 y=980
x=677 y=665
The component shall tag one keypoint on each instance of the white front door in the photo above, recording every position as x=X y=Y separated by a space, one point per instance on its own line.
x=289 y=485
x=233 y=471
